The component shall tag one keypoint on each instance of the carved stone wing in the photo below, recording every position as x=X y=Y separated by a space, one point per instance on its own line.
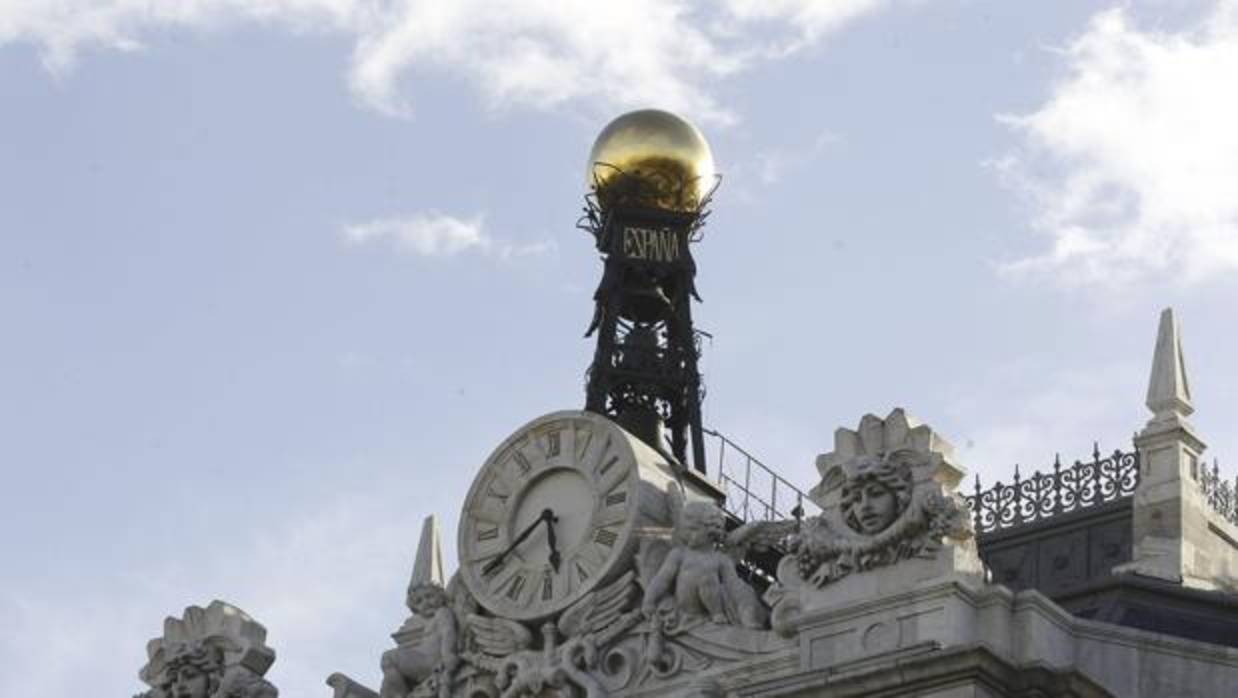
x=600 y=609
x=462 y=602
x=675 y=502
x=650 y=556
x=499 y=637
x=758 y=536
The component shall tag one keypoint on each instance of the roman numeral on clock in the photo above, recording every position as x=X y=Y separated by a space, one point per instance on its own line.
x=606 y=537
x=616 y=498
x=582 y=447
x=581 y=573
x=522 y=462
x=610 y=463
x=513 y=591
x=553 y=444
x=548 y=590
x=487 y=533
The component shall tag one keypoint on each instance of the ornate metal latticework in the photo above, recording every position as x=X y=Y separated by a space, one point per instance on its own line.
x=668 y=187
x=644 y=373
x=649 y=191
x=1067 y=489
x=1220 y=494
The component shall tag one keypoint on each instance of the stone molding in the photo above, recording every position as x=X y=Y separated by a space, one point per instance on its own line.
x=972 y=670
x=879 y=635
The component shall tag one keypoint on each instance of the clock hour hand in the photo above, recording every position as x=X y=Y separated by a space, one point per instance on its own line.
x=550 y=539
x=497 y=562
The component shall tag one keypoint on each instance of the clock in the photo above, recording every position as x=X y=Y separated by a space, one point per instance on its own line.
x=556 y=510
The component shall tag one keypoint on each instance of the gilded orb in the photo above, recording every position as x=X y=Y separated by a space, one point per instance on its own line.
x=651 y=158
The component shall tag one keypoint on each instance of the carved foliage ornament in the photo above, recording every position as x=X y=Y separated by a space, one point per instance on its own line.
x=885 y=518
x=677 y=614
x=212 y=652
x=887 y=494
x=546 y=602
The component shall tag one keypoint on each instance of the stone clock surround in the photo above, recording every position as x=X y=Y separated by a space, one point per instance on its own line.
x=553 y=461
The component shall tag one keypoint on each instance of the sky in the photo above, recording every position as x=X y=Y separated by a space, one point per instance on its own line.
x=277 y=275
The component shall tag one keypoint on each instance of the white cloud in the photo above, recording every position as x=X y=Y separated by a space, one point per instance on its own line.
x=775 y=163
x=439 y=235
x=533 y=53
x=1131 y=165
x=429 y=235
x=812 y=18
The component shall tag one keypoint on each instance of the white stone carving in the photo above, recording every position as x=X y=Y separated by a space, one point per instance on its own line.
x=556 y=511
x=212 y=652
x=876 y=510
x=505 y=648
x=887 y=496
x=428 y=652
x=1169 y=391
x=1177 y=536
x=695 y=577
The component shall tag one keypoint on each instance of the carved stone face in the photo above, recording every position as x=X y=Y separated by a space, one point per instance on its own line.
x=191 y=682
x=875 y=508
x=426 y=600
x=875 y=493
x=703 y=525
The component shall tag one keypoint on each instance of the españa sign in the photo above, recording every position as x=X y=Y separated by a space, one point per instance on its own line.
x=659 y=245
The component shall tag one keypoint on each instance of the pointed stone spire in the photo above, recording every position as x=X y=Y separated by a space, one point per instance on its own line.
x=1169 y=392
x=428 y=569
x=1171 y=528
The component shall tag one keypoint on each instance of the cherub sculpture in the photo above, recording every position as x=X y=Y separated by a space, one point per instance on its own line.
x=428 y=654
x=699 y=571
x=435 y=656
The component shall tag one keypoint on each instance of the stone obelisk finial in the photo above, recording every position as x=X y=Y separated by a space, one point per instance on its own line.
x=1169 y=391
x=1169 y=519
x=428 y=568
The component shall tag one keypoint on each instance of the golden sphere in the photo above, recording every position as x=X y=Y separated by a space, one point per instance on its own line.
x=651 y=158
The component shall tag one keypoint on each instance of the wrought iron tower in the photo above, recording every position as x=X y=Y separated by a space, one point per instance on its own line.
x=651 y=175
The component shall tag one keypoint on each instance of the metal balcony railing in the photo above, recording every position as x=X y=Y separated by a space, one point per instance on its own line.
x=754 y=492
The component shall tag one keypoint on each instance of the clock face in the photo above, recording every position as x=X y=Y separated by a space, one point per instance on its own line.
x=550 y=515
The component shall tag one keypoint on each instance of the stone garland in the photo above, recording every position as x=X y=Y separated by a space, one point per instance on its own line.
x=825 y=553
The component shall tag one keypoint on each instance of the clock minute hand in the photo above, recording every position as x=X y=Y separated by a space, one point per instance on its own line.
x=494 y=564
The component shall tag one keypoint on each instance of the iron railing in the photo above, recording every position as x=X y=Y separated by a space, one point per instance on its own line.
x=754 y=492
x=1220 y=494
x=1066 y=489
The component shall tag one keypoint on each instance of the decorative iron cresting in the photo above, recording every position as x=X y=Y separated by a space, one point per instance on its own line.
x=1067 y=489
x=645 y=191
x=1221 y=495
